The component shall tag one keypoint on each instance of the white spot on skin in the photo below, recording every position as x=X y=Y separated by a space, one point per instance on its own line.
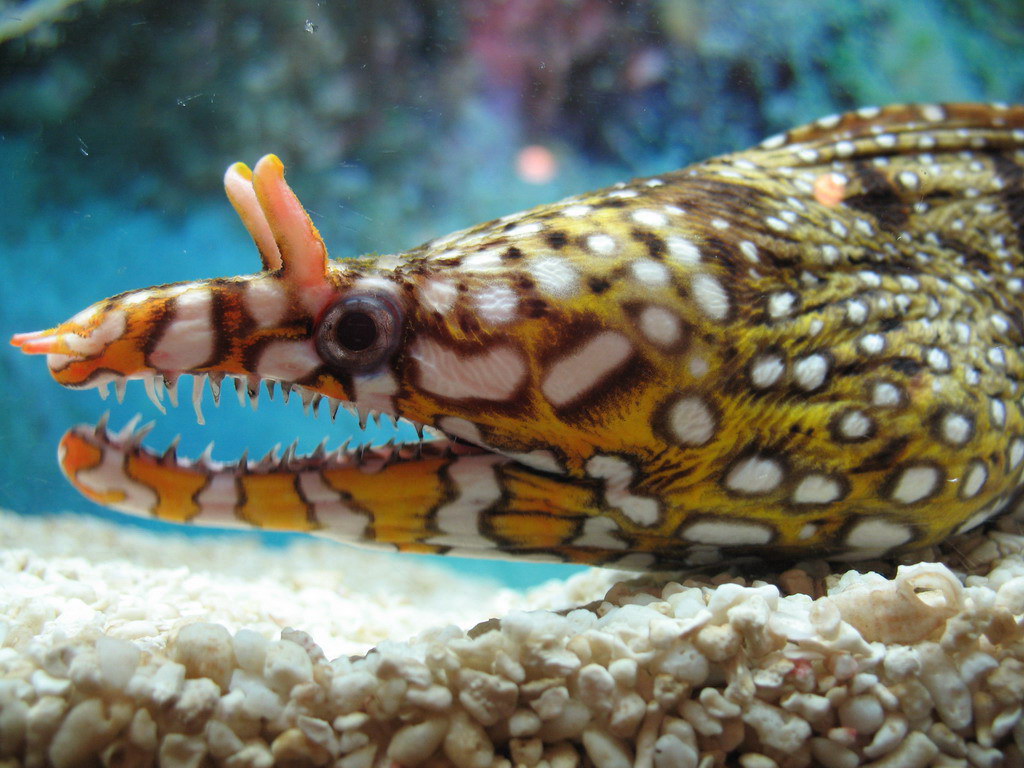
x=996 y=356
x=541 y=459
x=618 y=476
x=690 y=421
x=660 y=326
x=133 y=298
x=1016 y=453
x=697 y=366
x=998 y=412
x=482 y=260
x=492 y=375
x=188 y=339
x=554 y=276
x=710 y=296
x=777 y=224
x=975 y=478
x=817 y=489
x=810 y=372
x=496 y=304
x=109 y=476
x=807 y=531
x=885 y=395
x=622 y=193
x=870 y=279
x=956 y=428
x=856 y=312
x=376 y=392
x=650 y=272
x=909 y=179
x=460 y=427
x=872 y=343
x=576 y=211
x=749 y=251
x=602 y=245
x=915 y=484
x=580 y=371
x=217 y=502
x=855 y=425
x=438 y=295
x=781 y=304
x=330 y=510
x=287 y=360
x=938 y=360
x=266 y=301
x=727 y=533
x=754 y=475
x=982 y=515
x=649 y=218
x=110 y=329
x=530 y=228
x=598 y=534
x=878 y=534
x=719 y=223
x=477 y=489
x=682 y=250
x=766 y=370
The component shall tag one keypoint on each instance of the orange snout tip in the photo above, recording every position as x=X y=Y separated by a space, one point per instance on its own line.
x=35 y=342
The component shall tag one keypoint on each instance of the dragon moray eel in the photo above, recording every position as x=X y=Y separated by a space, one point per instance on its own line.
x=811 y=345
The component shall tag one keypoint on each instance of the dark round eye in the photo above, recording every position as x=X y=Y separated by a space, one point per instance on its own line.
x=359 y=332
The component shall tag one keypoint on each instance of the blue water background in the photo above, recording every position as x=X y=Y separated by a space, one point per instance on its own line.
x=84 y=214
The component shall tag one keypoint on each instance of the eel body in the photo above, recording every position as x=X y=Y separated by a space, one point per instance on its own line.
x=812 y=346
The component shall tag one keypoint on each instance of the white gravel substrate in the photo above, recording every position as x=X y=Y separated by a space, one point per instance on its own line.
x=127 y=649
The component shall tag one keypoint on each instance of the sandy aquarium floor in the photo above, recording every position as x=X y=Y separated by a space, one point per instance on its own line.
x=125 y=648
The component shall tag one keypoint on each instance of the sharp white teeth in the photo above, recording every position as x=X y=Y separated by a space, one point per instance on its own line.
x=198 y=384
x=253 y=386
x=286 y=391
x=124 y=435
x=135 y=439
x=240 y=391
x=315 y=404
x=333 y=404
x=120 y=385
x=431 y=433
x=170 y=456
x=153 y=393
x=104 y=389
x=270 y=384
x=206 y=457
x=215 y=383
x=289 y=454
x=366 y=418
x=171 y=383
x=101 y=425
x=307 y=398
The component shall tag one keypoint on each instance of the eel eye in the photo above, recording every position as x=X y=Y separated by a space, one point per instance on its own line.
x=359 y=332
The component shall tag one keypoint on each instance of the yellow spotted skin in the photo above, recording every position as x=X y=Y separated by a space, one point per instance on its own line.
x=812 y=346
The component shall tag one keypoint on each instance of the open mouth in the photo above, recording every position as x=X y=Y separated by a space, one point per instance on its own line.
x=163 y=389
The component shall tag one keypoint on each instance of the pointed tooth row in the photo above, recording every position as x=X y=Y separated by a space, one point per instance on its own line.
x=248 y=391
